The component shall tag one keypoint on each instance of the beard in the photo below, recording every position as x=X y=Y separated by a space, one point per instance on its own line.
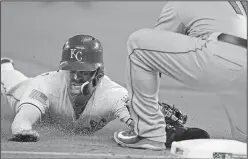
x=76 y=89
x=75 y=86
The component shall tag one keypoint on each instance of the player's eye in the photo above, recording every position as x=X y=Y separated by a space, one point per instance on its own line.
x=85 y=73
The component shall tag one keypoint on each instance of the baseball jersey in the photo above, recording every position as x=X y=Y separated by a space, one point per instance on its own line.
x=199 y=19
x=48 y=92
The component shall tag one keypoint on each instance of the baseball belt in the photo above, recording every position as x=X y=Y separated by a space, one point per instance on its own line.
x=233 y=40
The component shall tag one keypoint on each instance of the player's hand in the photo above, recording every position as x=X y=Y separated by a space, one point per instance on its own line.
x=26 y=136
x=130 y=122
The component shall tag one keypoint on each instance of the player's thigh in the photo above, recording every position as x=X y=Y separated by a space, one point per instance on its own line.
x=163 y=41
x=202 y=64
x=179 y=56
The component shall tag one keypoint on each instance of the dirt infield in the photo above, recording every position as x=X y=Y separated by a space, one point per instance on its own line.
x=54 y=143
x=33 y=34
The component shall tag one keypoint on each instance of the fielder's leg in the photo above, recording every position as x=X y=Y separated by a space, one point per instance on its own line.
x=150 y=52
x=231 y=65
x=234 y=103
x=194 y=62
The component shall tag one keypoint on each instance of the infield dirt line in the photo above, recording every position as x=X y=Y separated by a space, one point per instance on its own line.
x=71 y=154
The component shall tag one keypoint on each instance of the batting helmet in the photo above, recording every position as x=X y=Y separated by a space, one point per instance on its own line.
x=83 y=53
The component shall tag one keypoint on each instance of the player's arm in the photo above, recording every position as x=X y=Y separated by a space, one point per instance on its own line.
x=32 y=105
x=170 y=20
x=122 y=113
x=120 y=108
x=25 y=118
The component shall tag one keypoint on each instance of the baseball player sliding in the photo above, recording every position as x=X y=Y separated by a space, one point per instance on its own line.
x=200 y=44
x=78 y=92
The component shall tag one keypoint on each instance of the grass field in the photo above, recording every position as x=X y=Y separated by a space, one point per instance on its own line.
x=33 y=34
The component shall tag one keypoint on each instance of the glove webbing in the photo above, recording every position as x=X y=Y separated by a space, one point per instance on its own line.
x=172 y=114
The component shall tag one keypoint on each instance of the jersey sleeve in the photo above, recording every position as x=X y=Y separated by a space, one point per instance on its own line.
x=36 y=96
x=119 y=109
x=170 y=20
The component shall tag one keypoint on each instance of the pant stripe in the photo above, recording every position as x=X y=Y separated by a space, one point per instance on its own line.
x=132 y=90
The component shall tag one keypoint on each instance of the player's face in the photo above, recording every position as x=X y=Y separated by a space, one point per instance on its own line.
x=81 y=77
x=77 y=78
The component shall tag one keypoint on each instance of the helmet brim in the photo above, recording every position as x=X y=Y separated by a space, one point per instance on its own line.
x=79 y=66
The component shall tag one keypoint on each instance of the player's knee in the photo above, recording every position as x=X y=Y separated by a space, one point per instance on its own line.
x=135 y=39
x=7 y=66
x=136 y=36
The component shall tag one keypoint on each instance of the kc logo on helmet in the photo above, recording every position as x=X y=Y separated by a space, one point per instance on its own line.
x=77 y=54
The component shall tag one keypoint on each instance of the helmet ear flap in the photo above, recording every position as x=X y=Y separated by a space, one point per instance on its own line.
x=94 y=82
x=99 y=74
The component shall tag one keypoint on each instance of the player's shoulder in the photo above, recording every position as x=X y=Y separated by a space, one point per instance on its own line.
x=52 y=80
x=109 y=89
x=52 y=75
x=108 y=84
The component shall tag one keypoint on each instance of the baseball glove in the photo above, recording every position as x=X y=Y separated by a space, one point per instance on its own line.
x=181 y=133
x=172 y=115
x=26 y=136
x=175 y=130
